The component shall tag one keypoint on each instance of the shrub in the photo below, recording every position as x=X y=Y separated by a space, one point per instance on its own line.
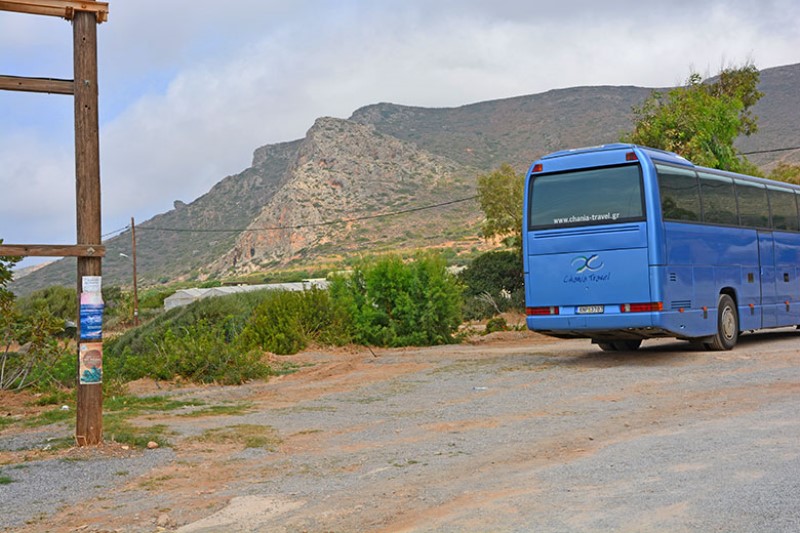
x=493 y=283
x=233 y=311
x=215 y=322
x=497 y=323
x=393 y=303
x=286 y=322
x=44 y=361
x=61 y=302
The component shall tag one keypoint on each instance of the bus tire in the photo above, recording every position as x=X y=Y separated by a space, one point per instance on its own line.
x=727 y=325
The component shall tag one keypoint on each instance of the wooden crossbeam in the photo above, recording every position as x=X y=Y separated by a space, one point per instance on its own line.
x=52 y=250
x=57 y=8
x=37 y=85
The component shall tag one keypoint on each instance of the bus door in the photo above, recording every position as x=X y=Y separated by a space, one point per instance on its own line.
x=769 y=289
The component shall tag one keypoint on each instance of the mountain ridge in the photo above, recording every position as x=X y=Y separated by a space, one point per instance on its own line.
x=293 y=183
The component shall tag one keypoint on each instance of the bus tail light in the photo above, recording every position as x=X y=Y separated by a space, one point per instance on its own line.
x=631 y=156
x=646 y=307
x=541 y=311
x=538 y=167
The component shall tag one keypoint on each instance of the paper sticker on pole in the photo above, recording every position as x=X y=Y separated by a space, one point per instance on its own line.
x=91 y=363
x=91 y=309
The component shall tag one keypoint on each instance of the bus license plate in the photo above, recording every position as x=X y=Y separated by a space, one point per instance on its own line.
x=590 y=309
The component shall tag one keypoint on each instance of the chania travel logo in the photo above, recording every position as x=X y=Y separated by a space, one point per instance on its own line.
x=591 y=263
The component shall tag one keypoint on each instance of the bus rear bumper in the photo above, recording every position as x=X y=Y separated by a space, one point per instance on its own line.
x=618 y=326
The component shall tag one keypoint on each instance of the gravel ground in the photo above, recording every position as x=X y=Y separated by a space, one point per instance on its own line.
x=514 y=434
x=41 y=487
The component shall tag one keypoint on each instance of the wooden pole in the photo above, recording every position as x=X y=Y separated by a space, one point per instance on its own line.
x=135 y=283
x=89 y=426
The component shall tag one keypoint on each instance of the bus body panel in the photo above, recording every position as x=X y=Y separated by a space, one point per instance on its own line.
x=787 y=277
x=769 y=292
x=598 y=277
x=682 y=266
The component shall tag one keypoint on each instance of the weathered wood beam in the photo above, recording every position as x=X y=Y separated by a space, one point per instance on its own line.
x=52 y=250
x=57 y=8
x=37 y=85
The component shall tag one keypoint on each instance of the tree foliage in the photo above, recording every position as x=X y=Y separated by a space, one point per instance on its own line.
x=493 y=283
x=500 y=197
x=701 y=120
x=6 y=275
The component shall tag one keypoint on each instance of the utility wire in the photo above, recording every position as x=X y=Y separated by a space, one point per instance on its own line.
x=355 y=219
x=772 y=150
x=120 y=230
x=317 y=224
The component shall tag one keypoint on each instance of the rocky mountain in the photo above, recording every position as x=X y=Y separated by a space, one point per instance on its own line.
x=354 y=186
x=343 y=177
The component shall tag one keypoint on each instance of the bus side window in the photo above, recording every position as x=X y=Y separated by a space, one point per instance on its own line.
x=784 y=209
x=753 y=204
x=680 y=196
x=719 y=200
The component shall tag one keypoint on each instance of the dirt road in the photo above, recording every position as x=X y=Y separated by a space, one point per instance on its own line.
x=513 y=433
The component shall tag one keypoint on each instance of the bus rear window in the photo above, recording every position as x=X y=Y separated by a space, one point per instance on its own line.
x=586 y=197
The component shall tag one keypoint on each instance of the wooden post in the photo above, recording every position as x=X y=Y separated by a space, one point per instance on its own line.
x=135 y=283
x=89 y=426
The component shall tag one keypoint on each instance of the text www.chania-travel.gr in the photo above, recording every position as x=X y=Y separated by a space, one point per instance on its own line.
x=586 y=218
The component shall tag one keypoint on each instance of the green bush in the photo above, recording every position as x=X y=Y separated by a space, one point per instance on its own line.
x=61 y=302
x=497 y=323
x=232 y=311
x=140 y=352
x=287 y=321
x=202 y=353
x=493 y=283
x=44 y=360
x=393 y=303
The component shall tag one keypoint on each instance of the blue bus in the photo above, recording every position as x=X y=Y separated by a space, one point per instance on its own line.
x=623 y=243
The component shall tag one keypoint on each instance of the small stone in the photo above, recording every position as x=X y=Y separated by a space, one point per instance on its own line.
x=152 y=445
x=163 y=520
x=126 y=447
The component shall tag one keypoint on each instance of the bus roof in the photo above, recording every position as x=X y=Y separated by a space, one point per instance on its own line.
x=657 y=155
x=653 y=153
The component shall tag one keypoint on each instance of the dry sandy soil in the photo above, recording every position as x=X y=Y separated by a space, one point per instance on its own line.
x=512 y=432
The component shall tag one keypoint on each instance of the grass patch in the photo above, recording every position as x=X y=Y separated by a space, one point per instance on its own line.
x=60 y=444
x=5 y=422
x=219 y=410
x=248 y=435
x=155 y=483
x=118 y=429
x=53 y=416
x=5 y=480
x=287 y=368
x=55 y=397
x=135 y=405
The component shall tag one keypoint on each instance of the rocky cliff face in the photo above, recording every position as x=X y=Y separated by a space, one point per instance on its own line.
x=345 y=171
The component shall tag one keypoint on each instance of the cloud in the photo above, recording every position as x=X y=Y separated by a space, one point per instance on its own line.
x=38 y=193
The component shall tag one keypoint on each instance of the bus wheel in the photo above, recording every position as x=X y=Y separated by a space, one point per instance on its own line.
x=620 y=346
x=727 y=325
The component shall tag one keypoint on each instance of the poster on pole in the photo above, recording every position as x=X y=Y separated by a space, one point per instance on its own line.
x=91 y=308
x=91 y=363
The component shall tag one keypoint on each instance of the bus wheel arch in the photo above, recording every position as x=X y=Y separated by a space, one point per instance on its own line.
x=727 y=324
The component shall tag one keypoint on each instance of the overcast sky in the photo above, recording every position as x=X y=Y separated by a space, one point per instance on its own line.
x=189 y=88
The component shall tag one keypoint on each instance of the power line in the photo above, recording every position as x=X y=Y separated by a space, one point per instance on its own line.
x=120 y=230
x=773 y=150
x=355 y=219
x=313 y=225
